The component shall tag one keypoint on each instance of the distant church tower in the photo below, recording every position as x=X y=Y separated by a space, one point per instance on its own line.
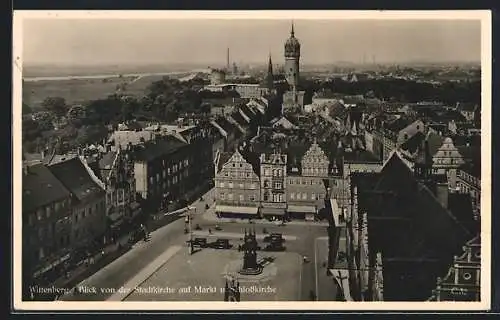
x=270 y=77
x=292 y=57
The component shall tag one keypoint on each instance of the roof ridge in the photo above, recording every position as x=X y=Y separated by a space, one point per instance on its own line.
x=91 y=173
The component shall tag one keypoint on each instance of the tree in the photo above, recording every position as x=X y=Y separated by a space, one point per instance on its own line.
x=56 y=105
x=76 y=115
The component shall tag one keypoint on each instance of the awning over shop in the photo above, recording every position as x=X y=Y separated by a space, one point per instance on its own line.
x=234 y=209
x=301 y=209
x=273 y=211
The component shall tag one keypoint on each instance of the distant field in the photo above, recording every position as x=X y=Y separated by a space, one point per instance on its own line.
x=80 y=90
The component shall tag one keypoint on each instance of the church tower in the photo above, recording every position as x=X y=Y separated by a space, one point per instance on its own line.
x=292 y=57
x=270 y=77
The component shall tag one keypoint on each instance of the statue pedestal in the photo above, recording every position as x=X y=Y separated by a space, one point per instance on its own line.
x=251 y=271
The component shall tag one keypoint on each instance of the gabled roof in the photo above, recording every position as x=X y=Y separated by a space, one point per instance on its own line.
x=41 y=187
x=223 y=159
x=239 y=119
x=76 y=178
x=225 y=125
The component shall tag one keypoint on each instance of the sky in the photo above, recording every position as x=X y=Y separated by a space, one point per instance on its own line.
x=112 y=41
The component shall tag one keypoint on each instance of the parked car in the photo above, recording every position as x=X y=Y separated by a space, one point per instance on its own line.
x=274 y=237
x=200 y=242
x=221 y=244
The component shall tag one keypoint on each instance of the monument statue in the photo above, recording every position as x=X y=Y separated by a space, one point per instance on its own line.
x=250 y=265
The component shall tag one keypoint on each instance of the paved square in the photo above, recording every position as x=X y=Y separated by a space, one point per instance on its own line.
x=201 y=277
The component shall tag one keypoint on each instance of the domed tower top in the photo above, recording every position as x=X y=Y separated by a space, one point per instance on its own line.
x=292 y=46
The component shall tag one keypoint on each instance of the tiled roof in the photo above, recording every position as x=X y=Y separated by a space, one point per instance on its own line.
x=106 y=162
x=398 y=124
x=435 y=142
x=225 y=125
x=413 y=144
x=75 y=177
x=223 y=159
x=239 y=119
x=41 y=187
x=156 y=149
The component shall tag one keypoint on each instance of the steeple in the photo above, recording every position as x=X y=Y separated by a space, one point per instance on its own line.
x=270 y=77
x=292 y=32
x=270 y=65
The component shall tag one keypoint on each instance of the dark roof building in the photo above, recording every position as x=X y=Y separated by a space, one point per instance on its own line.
x=41 y=187
x=76 y=177
x=415 y=234
x=158 y=148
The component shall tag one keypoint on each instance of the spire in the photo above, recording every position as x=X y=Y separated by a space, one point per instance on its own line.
x=270 y=65
x=292 y=32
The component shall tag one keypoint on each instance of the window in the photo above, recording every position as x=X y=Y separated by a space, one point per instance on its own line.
x=222 y=196
x=313 y=196
x=231 y=185
x=266 y=197
x=478 y=254
x=169 y=170
x=280 y=197
x=242 y=197
x=277 y=185
x=47 y=211
x=230 y=196
x=57 y=205
x=241 y=186
x=274 y=173
x=467 y=276
x=253 y=186
x=251 y=198
x=291 y=181
x=226 y=174
x=292 y=195
x=222 y=184
x=90 y=211
x=164 y=174
x=41 y=254
x=304 y=196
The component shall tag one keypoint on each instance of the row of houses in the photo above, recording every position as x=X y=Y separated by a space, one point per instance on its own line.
x=80 y=201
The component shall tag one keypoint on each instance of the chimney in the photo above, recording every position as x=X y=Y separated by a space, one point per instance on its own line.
x=442 y=193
